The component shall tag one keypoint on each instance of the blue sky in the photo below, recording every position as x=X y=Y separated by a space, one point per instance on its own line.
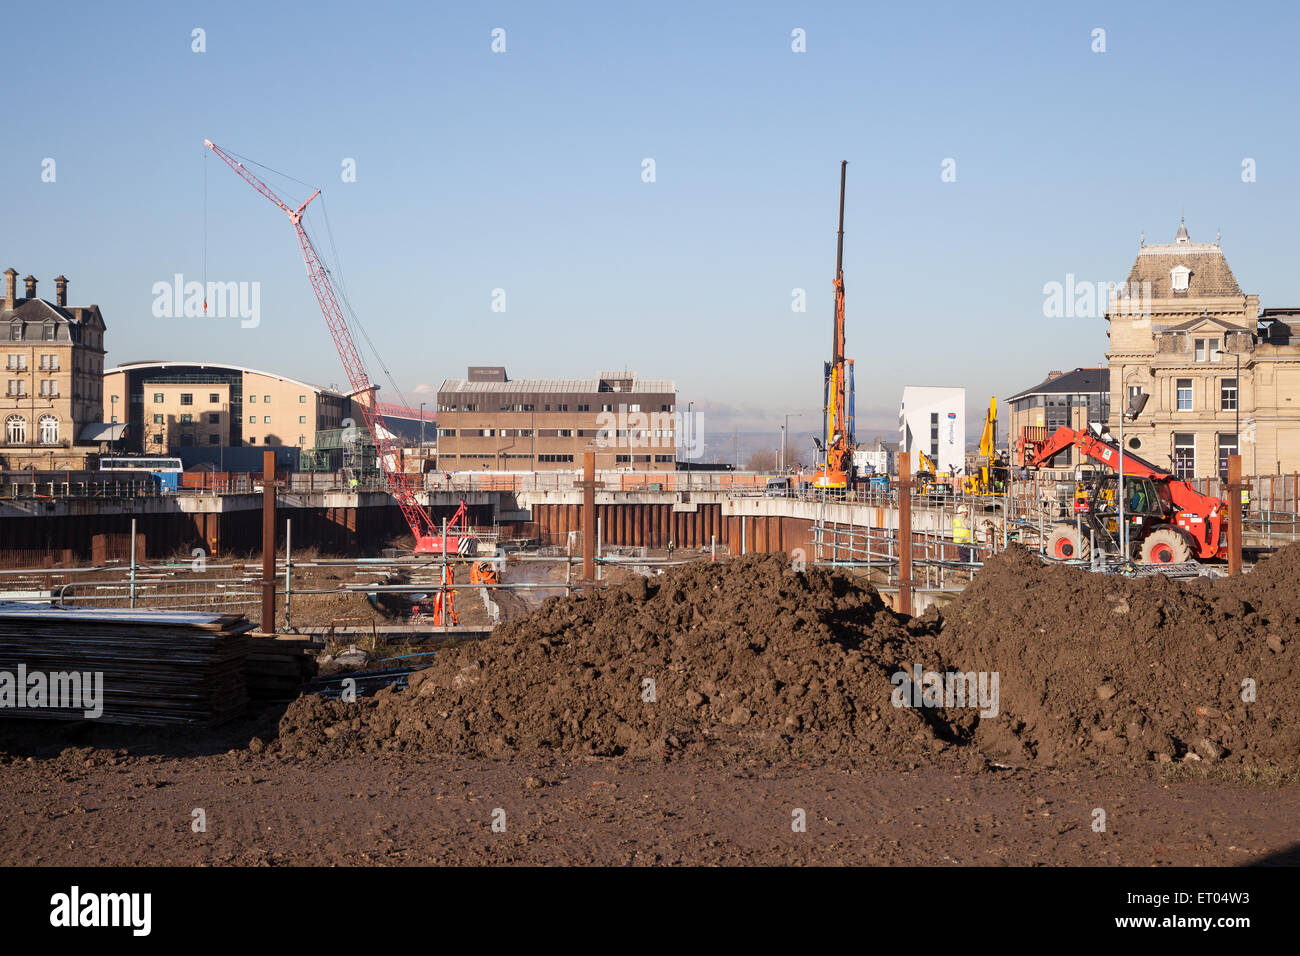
x=522 y=171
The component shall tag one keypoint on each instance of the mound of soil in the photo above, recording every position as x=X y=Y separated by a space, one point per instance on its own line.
x=1096 y=668
x=748 y=652
x=1091 y=669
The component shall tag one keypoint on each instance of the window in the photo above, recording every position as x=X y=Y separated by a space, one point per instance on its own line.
x=17 y=388
x=302 y=419
x=1205 y=350
x=17 y=363
x=252 y=419
x=446 y=433
x=16 y=331
x=214 y=438
x=1228 y=395
x=157 y=419
x=302 y=399
x=266 y=420
x=214 y=398
x=49 y=428
x=214 y=418
x=252 y=441
x=266 y=399
x=934 y=436
x=1184 y=395
x=252 y=398
x=187 y=418
x=1184 y=454
x=584 y=408
x=113 y=420
x=1178 y=278
x=187 y=439
x=561 y=408
x=564 y=433
x=16 y=429
x=1227 y=446
x=49 y=331
x=157 y=398
x=302 y=439
x=187 y=398
x=113 y=399
x=607 y=408
x=157 y=438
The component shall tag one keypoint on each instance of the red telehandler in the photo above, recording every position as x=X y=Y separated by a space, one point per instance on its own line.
x=1168 y=520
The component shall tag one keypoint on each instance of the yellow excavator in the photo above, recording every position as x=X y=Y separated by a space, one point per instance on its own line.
x=927 y=477
x=991 y=471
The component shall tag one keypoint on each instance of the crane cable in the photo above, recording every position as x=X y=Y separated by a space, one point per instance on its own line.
x=335 y=273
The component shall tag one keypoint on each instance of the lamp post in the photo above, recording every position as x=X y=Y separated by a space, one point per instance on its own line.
x=1236 y=435
x=422 y=404
x=785 y=431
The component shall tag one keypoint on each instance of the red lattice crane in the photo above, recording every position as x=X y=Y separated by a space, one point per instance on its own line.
x=427 y=538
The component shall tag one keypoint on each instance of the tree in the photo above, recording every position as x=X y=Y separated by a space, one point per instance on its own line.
x=762 y=461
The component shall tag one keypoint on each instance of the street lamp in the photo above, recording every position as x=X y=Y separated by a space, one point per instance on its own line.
x=785 y=430
x=422 y=404
x=1236 y=435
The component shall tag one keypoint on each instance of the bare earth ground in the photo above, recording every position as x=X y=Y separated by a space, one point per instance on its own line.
x=100 y=808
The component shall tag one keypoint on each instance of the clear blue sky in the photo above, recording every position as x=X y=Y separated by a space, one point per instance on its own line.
x=522 y=171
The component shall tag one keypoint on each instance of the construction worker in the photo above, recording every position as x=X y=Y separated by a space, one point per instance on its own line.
x=1245 y=500
x=961 y=532
x=671 y=546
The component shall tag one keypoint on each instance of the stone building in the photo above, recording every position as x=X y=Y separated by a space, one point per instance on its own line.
x=53 y=360
x=489 y=421
x=1183 y=346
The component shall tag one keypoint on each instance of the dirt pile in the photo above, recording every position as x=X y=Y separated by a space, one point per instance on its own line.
x=747 y=652
x=1098 y=669
x=1090 y=670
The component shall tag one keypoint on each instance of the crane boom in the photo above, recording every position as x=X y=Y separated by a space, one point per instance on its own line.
x=836 y=473
x=363 y=388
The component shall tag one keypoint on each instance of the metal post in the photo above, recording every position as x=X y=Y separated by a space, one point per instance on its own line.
x=905 y=534
x=133 y=562
x=600 y=550
x=1119 y=488
x=288 y=567
x=1234 y=514
x=268 y=542
x=713 y=547
x=446 y=615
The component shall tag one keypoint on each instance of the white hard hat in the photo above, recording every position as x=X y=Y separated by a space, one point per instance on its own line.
x=962 y=509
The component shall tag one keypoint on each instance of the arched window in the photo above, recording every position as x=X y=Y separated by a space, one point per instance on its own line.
x=16 y=430
x=49 y=430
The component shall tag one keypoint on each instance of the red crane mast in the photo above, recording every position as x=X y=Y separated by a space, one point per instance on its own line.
x=427 y=540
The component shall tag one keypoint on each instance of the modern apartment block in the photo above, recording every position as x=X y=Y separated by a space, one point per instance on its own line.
x=1221 y=374
x=487 y=421
x=52 y=356
x=172 y=405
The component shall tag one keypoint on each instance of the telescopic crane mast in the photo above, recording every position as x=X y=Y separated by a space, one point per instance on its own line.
x=427 y=539
x=837 y=472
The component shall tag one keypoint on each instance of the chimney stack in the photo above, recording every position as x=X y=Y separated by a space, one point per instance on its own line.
x=30 y=282
x=11 y=287
x=61 y=291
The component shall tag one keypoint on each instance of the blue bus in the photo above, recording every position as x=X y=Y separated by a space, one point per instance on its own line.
x=165 y=471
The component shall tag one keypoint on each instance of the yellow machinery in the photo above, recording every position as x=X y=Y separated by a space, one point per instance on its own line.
x=836 y=471
x=927 y=477
x=991 y=472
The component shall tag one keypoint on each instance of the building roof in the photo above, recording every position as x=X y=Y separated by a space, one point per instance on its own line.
x=1209 y=272
x=141 y=366
x=565 y=386
x=1079 y=381
x=102 y=431
x=1204 y=320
